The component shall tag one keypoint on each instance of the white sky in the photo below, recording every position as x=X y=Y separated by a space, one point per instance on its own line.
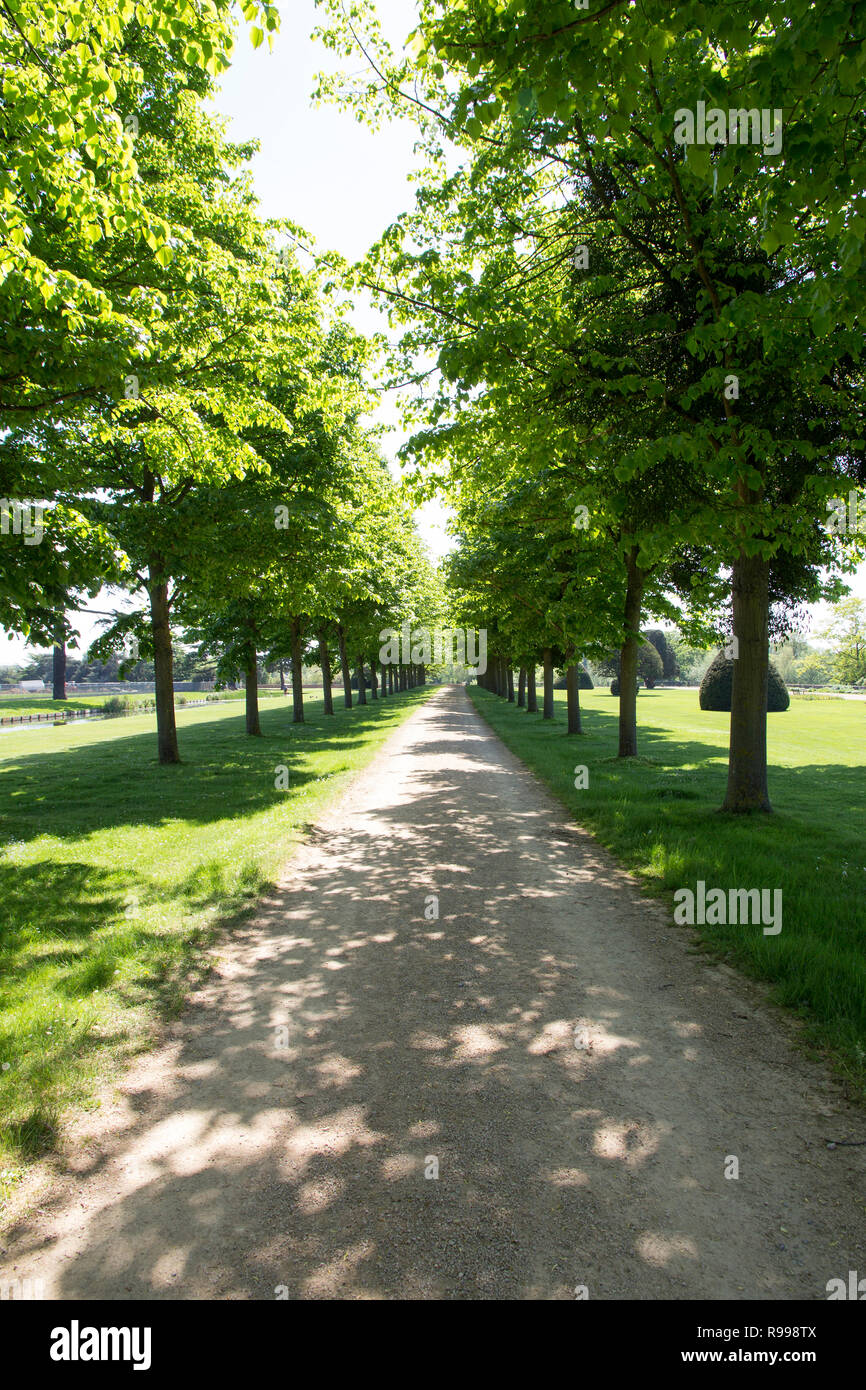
x=319 y=167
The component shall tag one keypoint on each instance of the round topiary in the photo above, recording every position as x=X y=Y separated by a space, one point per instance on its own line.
x=716 y=686
x=778 y=698
x=584 y=680
x=614 y=686
x=670 y=668
x=649 y=664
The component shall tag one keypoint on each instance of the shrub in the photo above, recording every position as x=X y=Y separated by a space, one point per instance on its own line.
x=116 y=705
x=584 y=681
x=670 y=666
x=715 y=691
x=649 y=664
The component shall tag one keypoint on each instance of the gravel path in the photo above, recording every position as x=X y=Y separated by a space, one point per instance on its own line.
x=282 y=1139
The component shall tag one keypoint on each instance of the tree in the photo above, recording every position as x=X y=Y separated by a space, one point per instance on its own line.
x=845 y=631
x=234 y=323
x=78 y=85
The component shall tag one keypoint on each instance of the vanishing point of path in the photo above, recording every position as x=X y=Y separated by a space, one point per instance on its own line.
x=279 y=1137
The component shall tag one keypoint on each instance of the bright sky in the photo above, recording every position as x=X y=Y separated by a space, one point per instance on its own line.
x=319 y=167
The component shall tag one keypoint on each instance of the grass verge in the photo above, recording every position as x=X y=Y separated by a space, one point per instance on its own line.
x=658 y=814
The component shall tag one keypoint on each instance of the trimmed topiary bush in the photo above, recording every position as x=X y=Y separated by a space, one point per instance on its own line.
x=649 y=665
x=715 y=691
x=614 y=686
x=584 y=681
x=670 y=667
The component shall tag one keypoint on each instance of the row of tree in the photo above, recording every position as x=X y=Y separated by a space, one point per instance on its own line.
x=647 y=390
x=180 y=389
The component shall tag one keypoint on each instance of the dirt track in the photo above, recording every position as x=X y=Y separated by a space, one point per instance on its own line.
x=279 y=1138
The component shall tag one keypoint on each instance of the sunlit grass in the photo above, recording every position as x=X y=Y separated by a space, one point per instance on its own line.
x=79 y=699
x=659 y=814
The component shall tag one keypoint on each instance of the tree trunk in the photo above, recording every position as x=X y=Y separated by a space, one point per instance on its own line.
x=747 y=763
x=282 y=676
x=362 y=690
x=374 y=681
x=572 y=676
x=297 y=674
x=383 y=680
x=547 y=657
x=251 y=687
x=325 y=663
x=510 y=685
x=628 y=659
x=166 y=729
x=59 y=667
x=344 y=667
x=521 y=688
x=531 y=693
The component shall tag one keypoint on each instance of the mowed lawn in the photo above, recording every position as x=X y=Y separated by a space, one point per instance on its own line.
x=114 y=872
x=659 y=814
x=39 y=704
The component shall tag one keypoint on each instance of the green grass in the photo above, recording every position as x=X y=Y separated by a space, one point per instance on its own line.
x=659 y=814
x=38 y=704
x=115 y=872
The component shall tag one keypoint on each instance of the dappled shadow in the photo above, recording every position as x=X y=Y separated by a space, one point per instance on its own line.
x=451 y=978
x=99 y=782
x=687 y=769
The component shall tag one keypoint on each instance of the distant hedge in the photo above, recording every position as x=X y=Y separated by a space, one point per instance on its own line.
x=715 y=691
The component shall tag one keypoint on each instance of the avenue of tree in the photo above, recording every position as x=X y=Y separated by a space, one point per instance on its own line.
x=639 y=362
x=180 y=389
x=635 y=364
